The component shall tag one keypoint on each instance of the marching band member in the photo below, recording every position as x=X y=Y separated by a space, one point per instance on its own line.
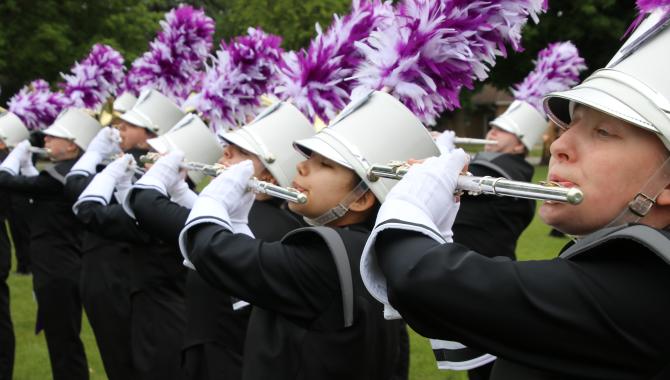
x=12 y=132
x=312 y=317
x=105 y=276
x=216 y=322
x=55 y=244
x=516 y=131
x=135 y=282
x=597 y=311
x=34 y=108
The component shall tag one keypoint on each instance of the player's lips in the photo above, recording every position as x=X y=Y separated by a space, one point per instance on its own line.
x=298 y=187
x=561 y=181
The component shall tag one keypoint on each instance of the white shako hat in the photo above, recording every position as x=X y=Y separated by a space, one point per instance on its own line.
x=374 y=129
x=124 y=102
x=12 y=129
x=524 y=121
x=154 y=111
x=74 y=124
x=270 y=136
x=634 y=86
x=191 y=136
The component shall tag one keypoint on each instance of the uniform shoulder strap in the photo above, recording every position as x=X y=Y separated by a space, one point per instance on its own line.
x=54 y=173
x=486 y=159
x=341 y=259
x=649 y=237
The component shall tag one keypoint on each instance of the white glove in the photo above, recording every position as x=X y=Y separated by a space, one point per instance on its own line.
x=181 y=194
x=106 y=142
x=104 y=145
x=102 y=186
x=428 y=188
x=225 y=201
x=28 y=169
x=423 y=201
x=125 y=182
x=445 y=141
x=164 y=174
x=230 y=190
x=12 y=162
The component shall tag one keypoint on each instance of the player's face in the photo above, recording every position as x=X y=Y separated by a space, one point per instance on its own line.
x=325 y=183
x=507 y=142
x=609 y=159
x=132 y=136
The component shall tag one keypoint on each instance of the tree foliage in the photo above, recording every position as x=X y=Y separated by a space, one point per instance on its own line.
x=595 y=26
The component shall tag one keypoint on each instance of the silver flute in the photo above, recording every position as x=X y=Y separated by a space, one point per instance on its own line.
x=468 y=140
x=255 y=185
x=547 y=191
x=42 y=152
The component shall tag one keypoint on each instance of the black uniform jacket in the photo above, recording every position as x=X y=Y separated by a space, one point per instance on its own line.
x=111 y=255
x=54 y=231
x=296 y=330
x=600 y=315
x=210 y=314
x=502 y=219
x=154 y=263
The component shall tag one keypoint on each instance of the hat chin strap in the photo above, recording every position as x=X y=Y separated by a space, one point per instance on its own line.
x=642 y=203
x=341 y=208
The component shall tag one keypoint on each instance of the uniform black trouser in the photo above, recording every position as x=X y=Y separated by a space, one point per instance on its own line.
x=6 y=327
x=401 y=371
x=210 y=361
x=20 y=235
x=59 y=312
x=481 y=373
x=105 y=293
x=158 y=322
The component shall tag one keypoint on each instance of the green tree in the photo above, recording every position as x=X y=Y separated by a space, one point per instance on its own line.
x=594 y=26
x=42 y=38
x=294 y=20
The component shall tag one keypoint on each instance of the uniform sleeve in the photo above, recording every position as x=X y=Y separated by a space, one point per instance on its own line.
x=157 y=215
x=299 y=282
x=585 y=317
x=111 y=222
x=42 y=184
x=75 y=185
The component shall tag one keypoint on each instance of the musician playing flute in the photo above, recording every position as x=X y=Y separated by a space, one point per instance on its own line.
x=216 y=325
x=55 y=240
x=136 y=283
x=312 y=318
x=598 y=311
x=516 y=131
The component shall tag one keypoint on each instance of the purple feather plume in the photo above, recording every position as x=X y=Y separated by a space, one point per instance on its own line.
x=94 y=79
x=317 y=79
x=240 y=73
x=172 y=65
x=434 y=48
x=36 y=105
x=557 y=68
x=39 y=85
x=648 y=6
x=645 y=7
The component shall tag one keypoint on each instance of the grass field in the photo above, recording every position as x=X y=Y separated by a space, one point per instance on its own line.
x=32 y=362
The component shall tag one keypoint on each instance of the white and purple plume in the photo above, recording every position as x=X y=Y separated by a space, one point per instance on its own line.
x=557 y=68
x=93 y=80
x=240 y=73
x=173 y=63
x=318 y=80
x=433 y=49
x=648 y=6
x=645 y=7
x=36 y=105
